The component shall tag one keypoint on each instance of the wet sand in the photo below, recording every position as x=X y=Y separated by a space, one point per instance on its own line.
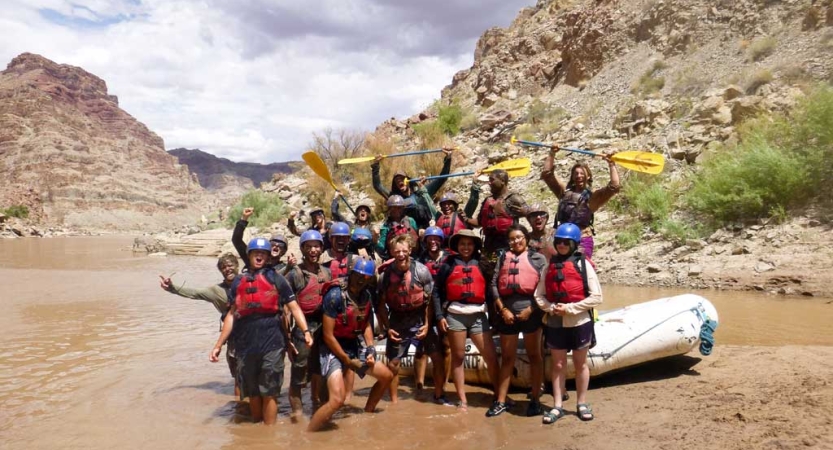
x=97 y=356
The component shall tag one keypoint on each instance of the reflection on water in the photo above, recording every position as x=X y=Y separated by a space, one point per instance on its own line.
x=96 y=355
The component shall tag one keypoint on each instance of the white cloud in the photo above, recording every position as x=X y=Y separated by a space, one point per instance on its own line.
x=251 y=81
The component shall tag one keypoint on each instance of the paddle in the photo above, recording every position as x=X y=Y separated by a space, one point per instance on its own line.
x=514 y=167
x=320 y=168
x=363 y=159
x=645 y=162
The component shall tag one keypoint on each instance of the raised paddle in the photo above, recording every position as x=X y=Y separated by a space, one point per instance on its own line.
x=514 y=167
x=645 y=162
x=363 y=159
x=320 y=168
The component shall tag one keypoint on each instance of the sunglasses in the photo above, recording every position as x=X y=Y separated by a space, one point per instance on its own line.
x=561 y=241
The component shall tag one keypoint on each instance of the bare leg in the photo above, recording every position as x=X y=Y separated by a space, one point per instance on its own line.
x=393 y=366
x=486 y=346
x=457 y=343
x=335 y=387
x=532 y=342
x=315 y=386
x=270 y=410
x=420 y=366
x=508 y=350
x=384 y=377
x=256 y=407
x=559 y=367
x=349 y=381
x=295 y=402
x=438 y=373
x=582 y=374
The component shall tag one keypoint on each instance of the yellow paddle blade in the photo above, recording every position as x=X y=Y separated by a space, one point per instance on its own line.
x=514 y=167
x=319 y=167
x=645 y=162
x=362 y=159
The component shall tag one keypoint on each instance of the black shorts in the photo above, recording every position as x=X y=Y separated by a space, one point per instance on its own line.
x=261 y=375
x=572 y=338
x=530 y=325
x=427 y=345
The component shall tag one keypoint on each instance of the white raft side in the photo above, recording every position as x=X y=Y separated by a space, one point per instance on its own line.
x=625 y=337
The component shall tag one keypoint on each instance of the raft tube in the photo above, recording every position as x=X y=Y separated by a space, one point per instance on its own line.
x=625 y=337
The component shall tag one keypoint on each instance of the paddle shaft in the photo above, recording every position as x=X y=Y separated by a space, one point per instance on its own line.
x=418 y=152
x=576 y=150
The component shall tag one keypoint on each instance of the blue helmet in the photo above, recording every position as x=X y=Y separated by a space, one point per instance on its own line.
x=259 y=244
x=339 y=229
x=434 y=231
x=365 y=267
x=311 y=235
x=568 y=231
x=361 y=234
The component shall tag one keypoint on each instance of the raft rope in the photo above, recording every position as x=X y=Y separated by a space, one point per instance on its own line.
x=696 y=310
x=707 y=337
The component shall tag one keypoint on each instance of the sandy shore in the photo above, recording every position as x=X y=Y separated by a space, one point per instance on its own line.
x=737 y=398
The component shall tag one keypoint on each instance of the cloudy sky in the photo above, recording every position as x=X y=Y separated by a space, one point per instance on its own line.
x=251 y=80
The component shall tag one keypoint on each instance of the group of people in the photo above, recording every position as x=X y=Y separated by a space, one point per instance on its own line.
x=423 y=279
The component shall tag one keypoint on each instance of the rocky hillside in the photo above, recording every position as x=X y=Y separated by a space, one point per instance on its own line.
x=676 y=78
x=220 y=173
x=74 y=158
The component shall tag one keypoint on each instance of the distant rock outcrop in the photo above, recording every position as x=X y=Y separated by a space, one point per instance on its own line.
x=79 y=159
x=219 y=173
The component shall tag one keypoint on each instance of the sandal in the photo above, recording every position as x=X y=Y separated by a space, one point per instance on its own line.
x=584 y=412
x=552 y=415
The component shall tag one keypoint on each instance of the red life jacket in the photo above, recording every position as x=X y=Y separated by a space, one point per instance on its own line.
x=517 y=275
x=351 y=322
x=401 y=291
x=310 y=297
x=566 y=281
x=255 y=294
x=466 y=284
x=339 y=267
x=432 y=265
x=450 y=224
x=402 y=226
x=494 y=218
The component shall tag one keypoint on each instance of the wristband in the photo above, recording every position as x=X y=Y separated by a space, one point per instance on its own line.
x=307 y=331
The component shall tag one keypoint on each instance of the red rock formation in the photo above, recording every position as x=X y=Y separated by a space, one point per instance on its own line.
x=92 y=164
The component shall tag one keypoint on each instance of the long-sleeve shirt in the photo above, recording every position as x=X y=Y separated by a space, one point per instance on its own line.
x=381 y=249
x=577 y=313
x=214 y=294
x=420 y=204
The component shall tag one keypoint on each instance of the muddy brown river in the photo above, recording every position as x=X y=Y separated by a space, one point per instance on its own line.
x=96 y=355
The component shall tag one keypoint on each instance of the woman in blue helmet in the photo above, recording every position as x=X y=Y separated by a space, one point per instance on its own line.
x=347 y=311
x=568 y=291
x=256 y=301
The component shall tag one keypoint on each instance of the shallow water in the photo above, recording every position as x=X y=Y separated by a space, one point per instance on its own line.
x=96 y=355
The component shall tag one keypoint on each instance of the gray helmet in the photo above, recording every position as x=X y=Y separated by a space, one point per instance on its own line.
x=449 y=197
x=396 y=200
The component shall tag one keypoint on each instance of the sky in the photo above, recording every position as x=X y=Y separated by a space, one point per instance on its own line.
x=252 y=80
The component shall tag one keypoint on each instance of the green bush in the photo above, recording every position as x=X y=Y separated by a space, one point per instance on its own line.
x=269 y=208
x=781 y=163
x=19 y=211
x=630 y=236
x=647 y=198
x=449 y=118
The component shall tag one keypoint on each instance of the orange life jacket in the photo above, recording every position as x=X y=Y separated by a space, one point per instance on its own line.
x=517 y=275
x=466 y=284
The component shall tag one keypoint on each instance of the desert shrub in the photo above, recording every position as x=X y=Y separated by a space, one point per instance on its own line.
x=449 y=118
x=757 y=80
x=269 y=208
x=761 y=48
x=469 y=121
x=690 y=81
x=430 y=134
x=649 y=83
x=543 y=118
x=781 y=162
x=19 y=211
x=630 y=236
